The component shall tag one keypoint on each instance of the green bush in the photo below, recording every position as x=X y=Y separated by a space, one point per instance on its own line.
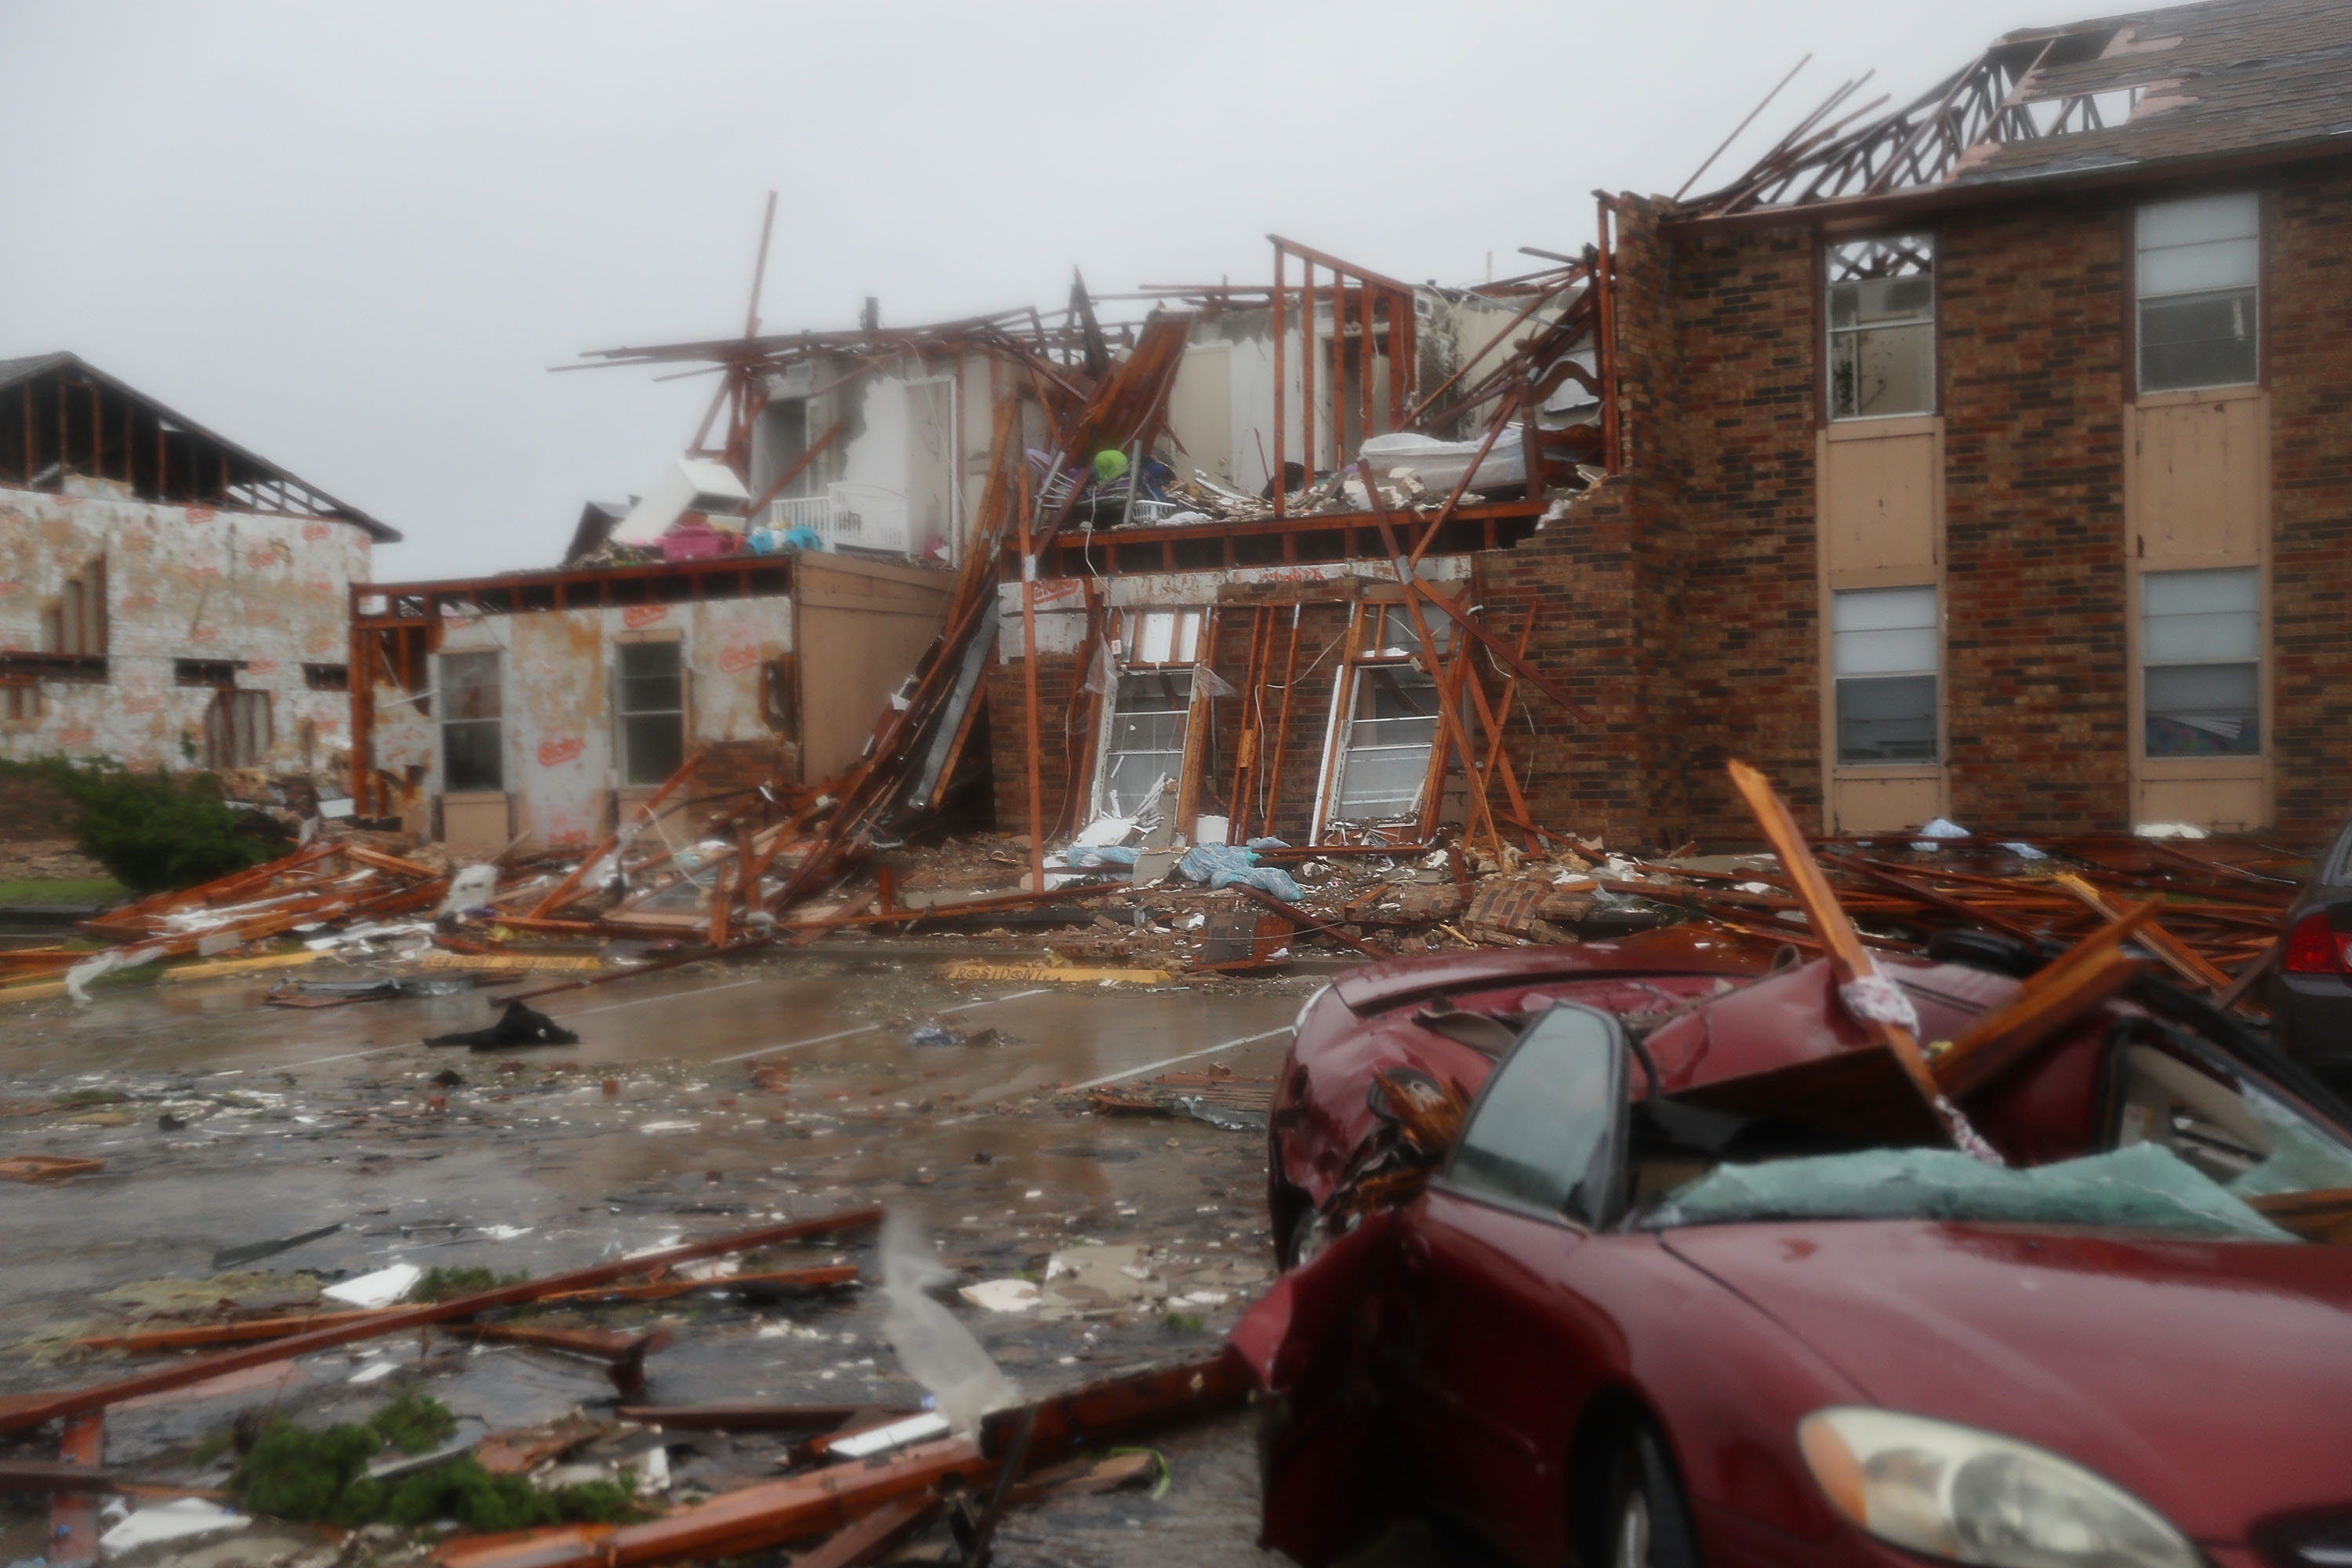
x=320 y=1477
x=153 y=831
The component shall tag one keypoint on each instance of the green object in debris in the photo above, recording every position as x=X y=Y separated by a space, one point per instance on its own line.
x=447 y=1284
x=414 y=1421
x=1109 y=463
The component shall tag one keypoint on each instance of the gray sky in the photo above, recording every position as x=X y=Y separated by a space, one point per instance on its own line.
x=355 y=239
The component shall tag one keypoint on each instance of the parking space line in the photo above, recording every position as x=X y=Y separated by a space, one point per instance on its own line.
x=1171 y=1061
x=669 y=996
x=868 y=1029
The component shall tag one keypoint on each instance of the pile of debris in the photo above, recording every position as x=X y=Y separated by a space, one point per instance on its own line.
x=649 y=1483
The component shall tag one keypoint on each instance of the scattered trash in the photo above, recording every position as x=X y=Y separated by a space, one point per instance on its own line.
x=381 y=1288
x=181 y=1519
x=1002 y=1295
x=518 y=1026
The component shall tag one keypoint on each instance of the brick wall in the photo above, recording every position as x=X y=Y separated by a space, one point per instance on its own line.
x=1680 y=602
x=2309 y=322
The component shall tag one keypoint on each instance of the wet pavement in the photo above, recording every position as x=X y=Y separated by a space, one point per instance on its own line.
x=694 y=1104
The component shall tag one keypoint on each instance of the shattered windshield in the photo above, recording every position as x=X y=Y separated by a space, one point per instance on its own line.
x=2193 y=1146
x=2144 y=1187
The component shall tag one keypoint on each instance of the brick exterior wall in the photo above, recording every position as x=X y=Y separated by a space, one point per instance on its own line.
x=2309 y=322
x=1680 y=601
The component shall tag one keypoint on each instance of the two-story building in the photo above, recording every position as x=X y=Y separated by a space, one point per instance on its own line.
x=167 y=598
x=1988 y=458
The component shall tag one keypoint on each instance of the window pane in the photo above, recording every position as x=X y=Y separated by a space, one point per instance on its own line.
x=1389 y=733
x=1885 y=653
x=1157 y=643
x=1887 y=720
x=1881 y=372
x=1883 y=609
x=2204 y=711
x=2192 y=593
x=2199 y=340
x=2195 y=617
x=1541 y=1134
x=1150 y=712
x=2197 y=268
x=2203 y=218
x=651 y=679
x=653 y=745
x=469 y=684
x=471 y=757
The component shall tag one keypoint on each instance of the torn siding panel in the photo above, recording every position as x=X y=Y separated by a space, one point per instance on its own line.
x=266 y=593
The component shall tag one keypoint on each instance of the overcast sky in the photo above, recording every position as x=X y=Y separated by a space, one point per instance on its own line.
x=355 y=239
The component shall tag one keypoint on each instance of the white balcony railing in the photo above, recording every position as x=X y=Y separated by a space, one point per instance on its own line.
x=848 y=515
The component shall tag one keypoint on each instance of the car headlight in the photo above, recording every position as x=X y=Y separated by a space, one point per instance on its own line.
x=1968 y=1496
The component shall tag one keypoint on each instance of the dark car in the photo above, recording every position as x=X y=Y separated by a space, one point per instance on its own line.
x=2311 y=986
x=1691 y=1281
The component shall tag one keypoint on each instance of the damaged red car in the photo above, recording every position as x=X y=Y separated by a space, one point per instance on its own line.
x=1631 y=1255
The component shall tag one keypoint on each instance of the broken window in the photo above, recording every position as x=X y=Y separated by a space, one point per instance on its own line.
x=1150 y=714
x=1882 y=320
x=1150 y=708
x=1883 y=645
x=327 y=676
x=1392 y=716
x=74 y=624
x=2200 y=657
x=237 y=731
x=650 y=690
x=473 y=749
x=2199 y=278
x=205 y=671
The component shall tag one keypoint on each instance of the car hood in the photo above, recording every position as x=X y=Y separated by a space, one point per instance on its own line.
x=2211 y=1379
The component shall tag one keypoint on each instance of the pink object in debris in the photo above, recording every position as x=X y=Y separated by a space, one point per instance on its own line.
x=695 y=544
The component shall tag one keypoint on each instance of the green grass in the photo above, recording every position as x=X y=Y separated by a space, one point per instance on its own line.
x=67 y=890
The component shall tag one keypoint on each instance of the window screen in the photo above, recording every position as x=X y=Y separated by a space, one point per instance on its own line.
x=1883 y=643
x=2198 y=275
x=651 y=700
x=472 y=755
x=1145 y=744
x=2200 y=655
x=1881 y=316
x=1540 y=1136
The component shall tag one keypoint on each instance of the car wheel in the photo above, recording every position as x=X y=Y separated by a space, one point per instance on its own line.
x=1648 y=1525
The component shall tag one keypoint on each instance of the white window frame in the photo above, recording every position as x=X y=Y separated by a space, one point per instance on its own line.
x=1381 y=634
x=1932 y=671
x=625 y=763
x=2257 y=662
x=1156 y=640
x=497 y=724
x=2248 y=243
x=1866 y=256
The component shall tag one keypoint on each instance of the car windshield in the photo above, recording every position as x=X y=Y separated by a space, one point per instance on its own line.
x=2194 y=1147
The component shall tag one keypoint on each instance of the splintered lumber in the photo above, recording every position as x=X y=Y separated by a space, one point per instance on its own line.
x=1121 y=1406
x=2051 y=998
x=750 y=1417
x=2177 y=955
x=873 y=1535
x=200 y=1335
x=663 y=1290
x=736 y=1524
x=567 y=889
x=1849 y=961
x=25 y=1412
x=624 y=1354
x=73 y=1516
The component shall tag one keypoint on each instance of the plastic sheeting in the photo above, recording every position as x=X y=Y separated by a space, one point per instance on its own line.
x=1223 y=865
x=935 y=1350
x=2144 y=1187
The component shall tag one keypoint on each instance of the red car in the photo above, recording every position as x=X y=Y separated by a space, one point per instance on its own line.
x=1693 y=1281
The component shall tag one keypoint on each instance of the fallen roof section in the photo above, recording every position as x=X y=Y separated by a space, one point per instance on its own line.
x=2112 y=97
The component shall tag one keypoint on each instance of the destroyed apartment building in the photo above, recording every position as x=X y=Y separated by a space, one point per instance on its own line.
x=765 y=601
x=1963 y=460
x=167 y=598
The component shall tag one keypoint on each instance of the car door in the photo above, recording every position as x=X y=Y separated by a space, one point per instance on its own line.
x=1499 y=1351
